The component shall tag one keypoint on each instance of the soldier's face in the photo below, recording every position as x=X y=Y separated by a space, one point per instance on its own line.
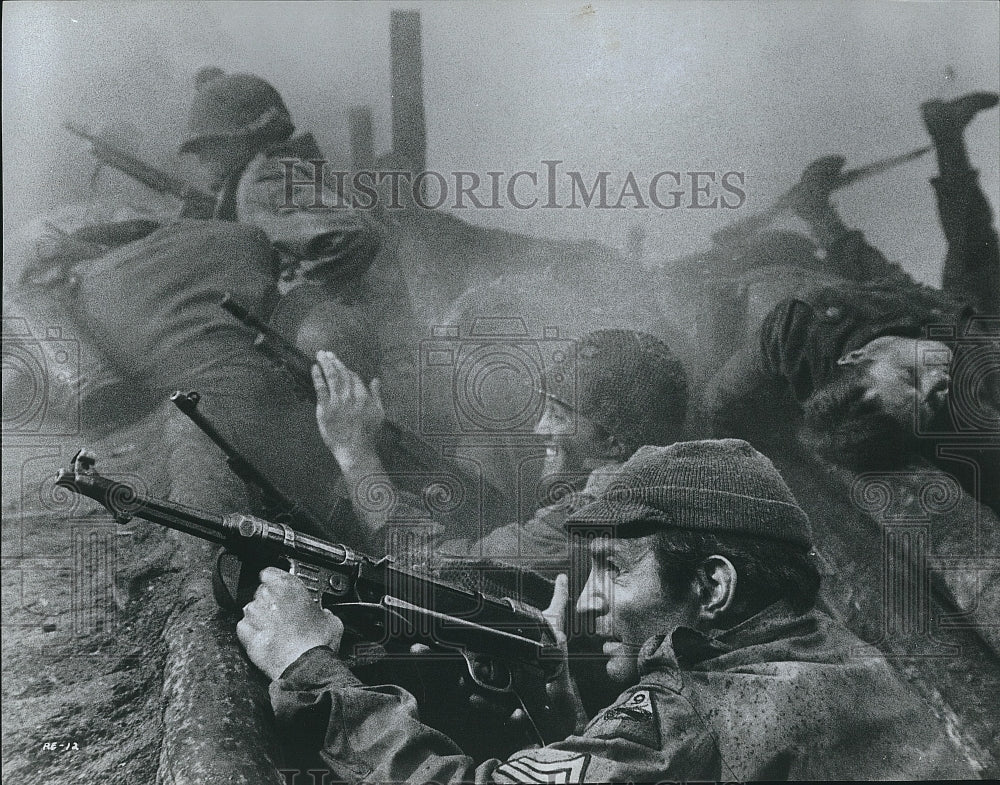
x=628 y=602
x=572 y=442
x=904 y=375
x=222 y=158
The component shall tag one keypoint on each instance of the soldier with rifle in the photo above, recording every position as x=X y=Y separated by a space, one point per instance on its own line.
x=336 y=268
x=627 y=389
x=240 y=130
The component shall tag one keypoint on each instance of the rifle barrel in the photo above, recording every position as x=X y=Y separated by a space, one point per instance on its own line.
x=147 y=174
x=877 y=167
x=187 y=402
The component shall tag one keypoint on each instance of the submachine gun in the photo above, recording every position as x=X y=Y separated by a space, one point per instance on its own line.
x=506 y=645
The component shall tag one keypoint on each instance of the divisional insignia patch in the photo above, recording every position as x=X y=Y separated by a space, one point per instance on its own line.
x=638 y=706
x=545 y=766
x=635 y=719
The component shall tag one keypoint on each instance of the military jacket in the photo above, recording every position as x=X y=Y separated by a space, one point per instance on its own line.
x=781 y=696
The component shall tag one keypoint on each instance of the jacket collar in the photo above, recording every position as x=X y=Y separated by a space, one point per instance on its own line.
x=777 y=633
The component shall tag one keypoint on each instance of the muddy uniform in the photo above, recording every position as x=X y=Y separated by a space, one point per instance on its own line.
x=780 y=696
x=152 y=308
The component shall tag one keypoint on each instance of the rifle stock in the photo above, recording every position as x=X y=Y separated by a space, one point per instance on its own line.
x=507 y=646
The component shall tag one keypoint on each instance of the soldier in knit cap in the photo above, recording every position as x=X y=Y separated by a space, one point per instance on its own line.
x=703 y=587
x=241 y=130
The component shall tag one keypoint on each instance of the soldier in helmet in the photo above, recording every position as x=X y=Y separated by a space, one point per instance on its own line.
x=336 y=271
x=628 y=390
x=241 y=131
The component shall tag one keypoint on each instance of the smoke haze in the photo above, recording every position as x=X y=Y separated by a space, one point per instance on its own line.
x=760 y=88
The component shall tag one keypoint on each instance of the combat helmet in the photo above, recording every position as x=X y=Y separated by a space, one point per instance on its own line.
x=232 y=106
x=629 y=383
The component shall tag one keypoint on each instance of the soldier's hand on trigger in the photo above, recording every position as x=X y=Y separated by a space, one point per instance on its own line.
x=349 y=413
x=283 y=622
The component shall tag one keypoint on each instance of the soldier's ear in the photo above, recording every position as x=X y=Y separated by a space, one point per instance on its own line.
x=716 y=577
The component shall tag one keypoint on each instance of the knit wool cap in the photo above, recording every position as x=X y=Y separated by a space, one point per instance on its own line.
x=626 y=381
x=228 y=106
x=719 y=486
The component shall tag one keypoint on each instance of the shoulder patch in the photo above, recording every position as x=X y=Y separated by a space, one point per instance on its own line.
x=638 y=706
x=545 y=766
x=635 y=718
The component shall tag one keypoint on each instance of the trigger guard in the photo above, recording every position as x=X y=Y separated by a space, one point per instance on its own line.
x=470 y=662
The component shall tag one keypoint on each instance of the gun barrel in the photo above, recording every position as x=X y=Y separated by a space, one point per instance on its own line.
x=278 y=349
x=372 y=580
x=241 y=312
x=147 y=174
x=267 y=333
x=125 y=501
x=187 y=402
x=877 y=167
x=77 y=130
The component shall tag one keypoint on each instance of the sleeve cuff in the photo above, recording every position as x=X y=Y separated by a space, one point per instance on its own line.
x=316 y=668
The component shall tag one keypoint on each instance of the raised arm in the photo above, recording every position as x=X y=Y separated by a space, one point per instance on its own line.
x=349 y=415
